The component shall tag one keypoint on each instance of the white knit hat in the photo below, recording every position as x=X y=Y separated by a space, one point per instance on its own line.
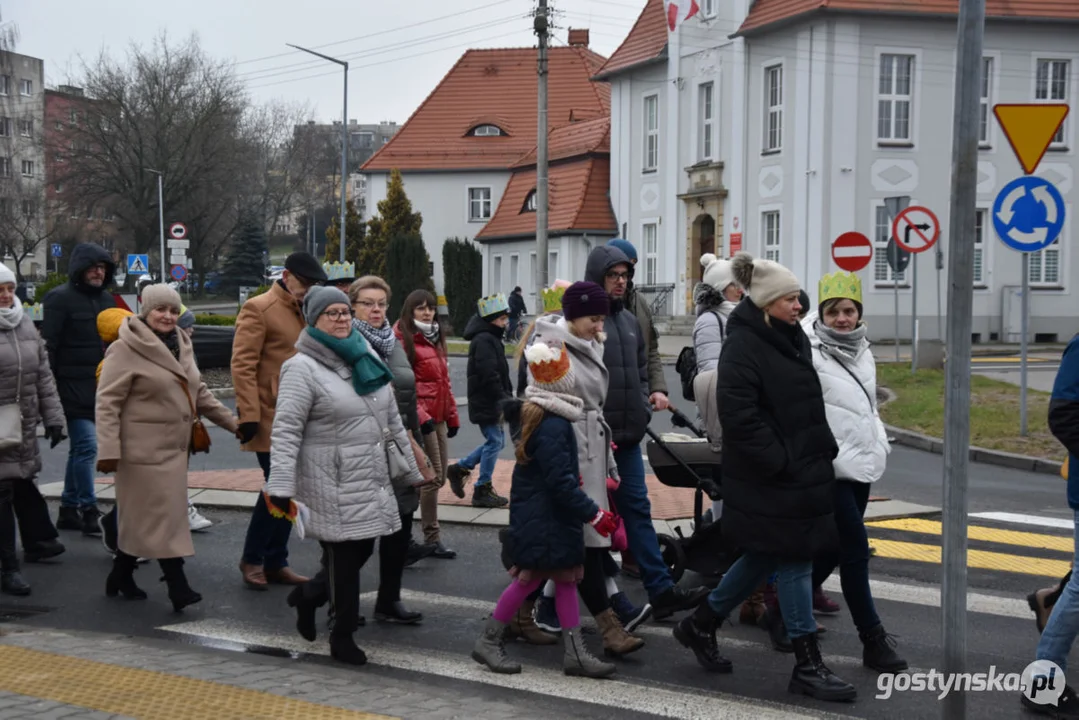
x=6 y=275
x=717 y=272
x=156 y=296
x=763 y=280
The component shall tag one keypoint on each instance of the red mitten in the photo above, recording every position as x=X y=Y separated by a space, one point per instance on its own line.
x=612 y=484
x=604 y=523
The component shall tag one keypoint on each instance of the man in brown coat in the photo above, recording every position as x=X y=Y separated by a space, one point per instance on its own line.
x=266 y=332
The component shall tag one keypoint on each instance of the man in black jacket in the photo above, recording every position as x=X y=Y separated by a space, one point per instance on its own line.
x=69 y=327
x=517 y=309
x=628 y=411
x=488 y=386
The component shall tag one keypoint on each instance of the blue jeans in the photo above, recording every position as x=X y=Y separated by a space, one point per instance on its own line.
x=81 y=462
x=636 y=511
x=266 y=543
x=486 y=454
x=794 y=589
x=1063 y=624
x=853 y=555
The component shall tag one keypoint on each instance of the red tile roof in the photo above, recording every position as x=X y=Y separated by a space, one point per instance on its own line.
x=765 y=13
x=647 y=41
x=496 y=87
x=581 y=138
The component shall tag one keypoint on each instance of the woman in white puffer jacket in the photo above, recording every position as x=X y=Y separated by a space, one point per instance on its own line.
x=848 y=377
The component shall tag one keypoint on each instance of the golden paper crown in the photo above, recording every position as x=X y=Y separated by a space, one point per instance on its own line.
x=552 y=298
x=492 y=305
x=840 y=285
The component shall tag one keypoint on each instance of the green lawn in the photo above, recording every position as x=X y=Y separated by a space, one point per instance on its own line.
x=460 y=347
x=994 y=414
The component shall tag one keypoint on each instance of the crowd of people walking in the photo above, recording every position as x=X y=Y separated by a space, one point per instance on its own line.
x=349 y=413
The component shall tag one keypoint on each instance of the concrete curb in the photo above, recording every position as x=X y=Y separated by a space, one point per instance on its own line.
x=1000 y=458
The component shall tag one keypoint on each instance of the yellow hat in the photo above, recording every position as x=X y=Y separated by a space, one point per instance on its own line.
x=552 y=298
x=109 y=322
x=840 y=285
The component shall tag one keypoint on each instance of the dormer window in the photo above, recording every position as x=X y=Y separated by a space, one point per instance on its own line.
x=486 y=131
x=530 y=203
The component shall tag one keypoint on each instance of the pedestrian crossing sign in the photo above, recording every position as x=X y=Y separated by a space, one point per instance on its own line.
x=138 y=264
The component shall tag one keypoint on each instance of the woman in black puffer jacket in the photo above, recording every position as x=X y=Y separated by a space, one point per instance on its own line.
x=778 y=479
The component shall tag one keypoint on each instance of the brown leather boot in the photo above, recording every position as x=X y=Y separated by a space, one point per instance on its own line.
x=753 y=607
x=616 y=641
x=523 y=626
x=253 y=576
x=285 y=576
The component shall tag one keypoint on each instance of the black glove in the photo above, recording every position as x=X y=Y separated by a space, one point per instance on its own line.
x=248 y=431
x=711 y=489
x=428 y=427
x=451 y=432
x=55 y=434
x=281 y=503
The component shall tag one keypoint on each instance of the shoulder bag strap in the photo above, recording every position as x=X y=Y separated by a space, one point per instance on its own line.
x=872 y=405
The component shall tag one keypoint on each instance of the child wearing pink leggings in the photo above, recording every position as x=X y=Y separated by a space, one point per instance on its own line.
x=548 y=511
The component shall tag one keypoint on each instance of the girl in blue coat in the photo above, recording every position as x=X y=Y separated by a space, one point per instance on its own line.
x=548 y=510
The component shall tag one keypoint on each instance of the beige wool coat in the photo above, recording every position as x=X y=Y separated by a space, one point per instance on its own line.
x=144 y=422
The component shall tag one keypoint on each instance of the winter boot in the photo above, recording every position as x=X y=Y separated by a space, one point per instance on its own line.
x=578 y=661
x=1066 y=706
x=823 y=604
x=631 y=616
x=753 y=607
x=121 y=580
x=180 y=593
x=772 y=622
x=546 y=616
x=485 y=496
x=90 y=521
x=878 y=651
x=489 y=649
x=698 y=633
x=305 y=613
x=42 y=550
x=343 y=648
x=524 y=626
x=457 y=476
x=69 y=519
x=616 y=641
x=812 y=677
x=13 y=583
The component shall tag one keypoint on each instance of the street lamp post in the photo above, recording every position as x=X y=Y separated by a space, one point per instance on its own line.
x=160 y=216
x=344 y=140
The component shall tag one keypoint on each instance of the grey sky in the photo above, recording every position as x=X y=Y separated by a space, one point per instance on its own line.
x=394 y=66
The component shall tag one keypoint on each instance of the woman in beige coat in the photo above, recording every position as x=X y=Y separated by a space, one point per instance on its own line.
x=148 y=391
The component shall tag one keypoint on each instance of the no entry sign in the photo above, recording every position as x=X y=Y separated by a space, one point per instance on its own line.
x=916 y=229
x=852 y=251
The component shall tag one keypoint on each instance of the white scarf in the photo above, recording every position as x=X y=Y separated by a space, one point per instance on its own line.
x=12 y=316
x=561 y=404
x=429 y=330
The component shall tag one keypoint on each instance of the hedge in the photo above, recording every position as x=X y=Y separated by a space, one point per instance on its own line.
x=209 y=319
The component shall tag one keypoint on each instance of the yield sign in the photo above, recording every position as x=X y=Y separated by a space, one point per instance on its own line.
x=916 y=229
x=852 y=251
x=1030 y=128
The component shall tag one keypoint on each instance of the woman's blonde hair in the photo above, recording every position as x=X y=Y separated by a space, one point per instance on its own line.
x=531 y=417
x=367 y=282
x=525 y=336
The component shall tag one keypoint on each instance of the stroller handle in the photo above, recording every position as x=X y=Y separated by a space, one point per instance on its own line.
x=679 y=419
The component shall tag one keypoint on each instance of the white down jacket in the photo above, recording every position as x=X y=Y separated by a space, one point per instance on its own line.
x=328 y=450
x=855 y=422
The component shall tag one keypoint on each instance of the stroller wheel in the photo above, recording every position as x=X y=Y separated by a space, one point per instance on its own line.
x=674 y=556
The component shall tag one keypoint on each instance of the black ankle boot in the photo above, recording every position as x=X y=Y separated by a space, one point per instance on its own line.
x=343 y=648
x=180 y=593
x=878 y=651
x=698 y=633
x=13 y=583
x=772 y=622
x=305 y=614
x=812 y=677
x=121 y=580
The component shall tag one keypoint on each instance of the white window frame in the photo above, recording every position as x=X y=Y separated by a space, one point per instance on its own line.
x=650 y=266
x=5 y=127
x=770 y=109
x=530 y=202
x=708 y=9
x=987 y=101
x=880 y=250
x=515 y=270
x=706 y=121
x=26 y=127
x=913 y=98
x=771 y=245
x=486 y=128
x=552 y=266
x=5 y=167
x=650 y=135
x=26 y=87
x=482 y=202
x=496 y=273
x=1070 y=64
x=981 y=246
x=27 y=164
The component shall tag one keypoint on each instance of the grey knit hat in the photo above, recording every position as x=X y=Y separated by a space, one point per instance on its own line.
x=157 y=296
x=764 y=281
x=318 y=299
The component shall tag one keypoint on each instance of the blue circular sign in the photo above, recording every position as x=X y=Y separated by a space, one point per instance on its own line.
x=1028 y=214
x=179 y=273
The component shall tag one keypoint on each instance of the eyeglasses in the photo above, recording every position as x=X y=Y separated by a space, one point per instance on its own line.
x=338 y=314
x=618 y=275
x=381 y=305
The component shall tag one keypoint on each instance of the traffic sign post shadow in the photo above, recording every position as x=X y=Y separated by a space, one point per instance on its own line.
x=895 y=205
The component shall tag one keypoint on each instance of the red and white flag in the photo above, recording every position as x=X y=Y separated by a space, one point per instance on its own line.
x=675 y=14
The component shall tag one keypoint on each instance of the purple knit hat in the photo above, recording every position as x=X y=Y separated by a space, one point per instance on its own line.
x=583 y=299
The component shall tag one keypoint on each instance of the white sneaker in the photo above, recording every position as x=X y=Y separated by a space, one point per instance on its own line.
x=195 y=520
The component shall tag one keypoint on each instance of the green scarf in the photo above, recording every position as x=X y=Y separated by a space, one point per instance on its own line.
x=368 y=372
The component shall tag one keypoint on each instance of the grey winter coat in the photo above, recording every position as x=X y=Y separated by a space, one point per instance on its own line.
x=38 y=397
x=328 y=447
x=594 y=454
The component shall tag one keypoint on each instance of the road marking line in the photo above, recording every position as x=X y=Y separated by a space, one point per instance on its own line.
x=1006 y=360
x=929 y=596
x=1019 y=519
x=658 y=700
x=980 y=559
x=985 y=534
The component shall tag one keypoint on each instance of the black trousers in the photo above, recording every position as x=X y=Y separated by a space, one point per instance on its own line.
x=32 y=512
x=593 y=588
x=339 y=582
x=9 y=561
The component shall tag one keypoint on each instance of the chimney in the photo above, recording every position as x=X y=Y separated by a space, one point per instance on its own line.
x=578 y=37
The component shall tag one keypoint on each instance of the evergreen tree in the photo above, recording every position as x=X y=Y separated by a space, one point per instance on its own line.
x=462 y=277
x=407 y=269
x=246 y=261
x=395 y=219
x=354 y=235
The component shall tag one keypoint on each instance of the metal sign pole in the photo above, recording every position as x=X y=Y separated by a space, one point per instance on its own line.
x=1024 y=329
x=895 y=289
x=914 y=313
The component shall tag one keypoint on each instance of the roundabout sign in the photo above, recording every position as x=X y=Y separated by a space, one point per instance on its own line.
x=1028 y=214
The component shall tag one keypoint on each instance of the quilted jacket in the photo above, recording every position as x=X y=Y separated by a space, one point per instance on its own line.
x=328 y=447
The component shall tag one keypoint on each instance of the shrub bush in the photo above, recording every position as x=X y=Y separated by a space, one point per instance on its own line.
x=406 y=270
x=208 y=319
x=52 y=280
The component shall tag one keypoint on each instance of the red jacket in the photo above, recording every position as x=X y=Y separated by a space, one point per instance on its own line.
x=434 y=396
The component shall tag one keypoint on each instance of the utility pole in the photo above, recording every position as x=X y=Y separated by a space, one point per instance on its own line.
x=344 y=142
x=965 y=127
x=541 y=26
x=161 y=218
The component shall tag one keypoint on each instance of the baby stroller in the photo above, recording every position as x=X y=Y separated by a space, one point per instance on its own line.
x=684 y=462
